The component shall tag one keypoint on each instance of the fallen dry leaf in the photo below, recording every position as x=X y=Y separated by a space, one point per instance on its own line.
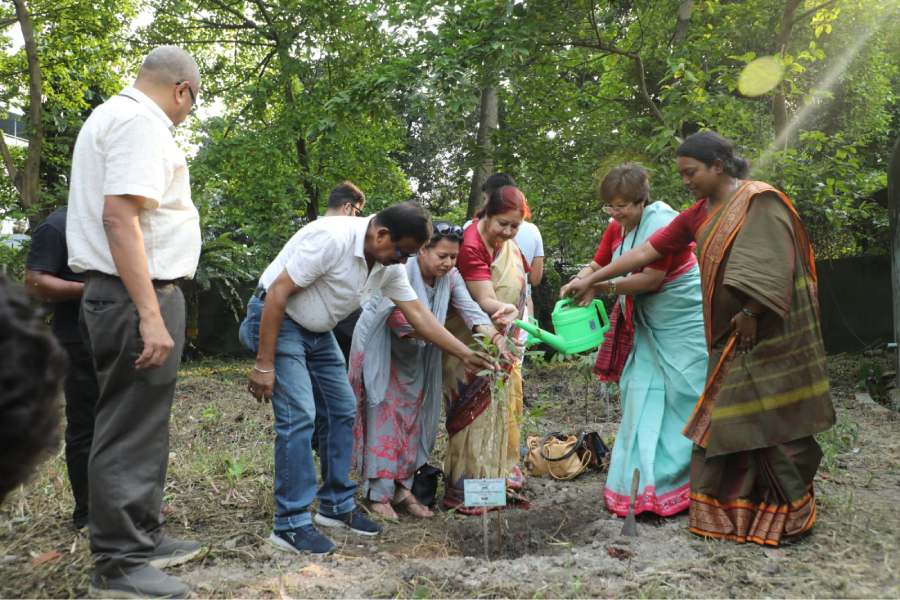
x=45 y=558
x=312 y=571
x=619 y=553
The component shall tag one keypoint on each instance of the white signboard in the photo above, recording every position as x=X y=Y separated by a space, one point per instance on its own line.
x=484 y=492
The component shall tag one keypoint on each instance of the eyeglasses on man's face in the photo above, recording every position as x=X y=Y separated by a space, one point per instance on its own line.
x=194 y=103
x=401 y=256
x=356 y=210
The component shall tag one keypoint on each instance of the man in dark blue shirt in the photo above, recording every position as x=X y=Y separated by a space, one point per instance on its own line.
x=49 y=278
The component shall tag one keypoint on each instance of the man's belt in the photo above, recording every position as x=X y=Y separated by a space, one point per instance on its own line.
x=155 y=282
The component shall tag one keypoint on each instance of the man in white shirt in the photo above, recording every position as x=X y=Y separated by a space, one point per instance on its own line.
x=345 y=200
x=318 y=278
x=133 y=229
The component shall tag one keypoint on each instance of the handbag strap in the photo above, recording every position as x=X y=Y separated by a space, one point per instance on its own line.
x=582 y=467
x=559 y=435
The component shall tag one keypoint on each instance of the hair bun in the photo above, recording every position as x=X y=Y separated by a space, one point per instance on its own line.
x=739 y=167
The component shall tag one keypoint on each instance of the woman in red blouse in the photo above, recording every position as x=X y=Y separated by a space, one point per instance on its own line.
x=767 y=391
x=483 y=416
x=655 y=350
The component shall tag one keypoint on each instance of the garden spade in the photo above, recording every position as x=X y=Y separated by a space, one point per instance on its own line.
x=630 y=527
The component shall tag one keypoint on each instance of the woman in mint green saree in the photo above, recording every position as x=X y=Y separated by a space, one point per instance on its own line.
x=767 y=391
x=656 y=351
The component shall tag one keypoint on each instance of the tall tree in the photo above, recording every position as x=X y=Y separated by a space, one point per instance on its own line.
x=27 y=179
x=74 y=56
x=305 y=91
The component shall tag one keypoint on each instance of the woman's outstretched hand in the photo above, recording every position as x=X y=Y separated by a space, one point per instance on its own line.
x=504 y=316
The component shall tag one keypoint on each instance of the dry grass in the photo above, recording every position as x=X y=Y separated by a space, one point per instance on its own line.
x=219 y=491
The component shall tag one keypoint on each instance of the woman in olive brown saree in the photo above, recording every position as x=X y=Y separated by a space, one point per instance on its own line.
x=767 y=390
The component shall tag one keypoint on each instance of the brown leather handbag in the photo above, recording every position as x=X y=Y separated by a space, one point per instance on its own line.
x=564 y=456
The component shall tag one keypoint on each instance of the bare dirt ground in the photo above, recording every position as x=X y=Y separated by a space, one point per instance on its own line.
x=565 y=545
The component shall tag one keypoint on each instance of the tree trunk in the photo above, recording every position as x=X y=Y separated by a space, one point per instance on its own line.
x=683 y=21
x=779 y=103
x=312 y=190
x=32 y=172
x=894 y=218
x=487 y=124
x=300 y=147
x=27 y=181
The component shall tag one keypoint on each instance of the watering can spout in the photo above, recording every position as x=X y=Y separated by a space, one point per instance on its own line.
x=554 y=341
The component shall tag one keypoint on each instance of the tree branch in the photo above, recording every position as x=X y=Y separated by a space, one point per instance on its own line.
x=265 y=13
x=210 y=24
x=812 y=10
x=645 y=94
x=634 y=56
x=260 y=71
x=225 y=41
x=231 y=10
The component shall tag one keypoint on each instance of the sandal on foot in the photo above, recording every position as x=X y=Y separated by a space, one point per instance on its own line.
x=411 y=505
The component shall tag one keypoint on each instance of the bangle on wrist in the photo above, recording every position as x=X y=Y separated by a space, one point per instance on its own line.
x=264 y=371
x=612 y=286
x=750 y=313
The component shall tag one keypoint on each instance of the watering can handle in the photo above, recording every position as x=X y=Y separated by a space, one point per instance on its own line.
x=601 y=312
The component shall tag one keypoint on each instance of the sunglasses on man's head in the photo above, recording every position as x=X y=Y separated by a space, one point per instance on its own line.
x=447 y=230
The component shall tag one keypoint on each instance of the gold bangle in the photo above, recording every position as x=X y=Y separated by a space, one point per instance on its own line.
x=612 y=287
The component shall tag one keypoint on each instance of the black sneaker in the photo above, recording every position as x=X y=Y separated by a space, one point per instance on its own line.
x=354 y=520
x=302 y=539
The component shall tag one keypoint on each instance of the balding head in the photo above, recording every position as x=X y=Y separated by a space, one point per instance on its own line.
x=169 y=64
x=170 y=77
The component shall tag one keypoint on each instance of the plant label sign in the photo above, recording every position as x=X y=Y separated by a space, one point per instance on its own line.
x=484 y=492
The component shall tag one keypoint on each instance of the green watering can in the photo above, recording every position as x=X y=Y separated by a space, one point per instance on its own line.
x=533 y=339
x=578 y=328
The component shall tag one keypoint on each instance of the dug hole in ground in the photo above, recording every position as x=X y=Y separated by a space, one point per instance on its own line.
x=566 y=545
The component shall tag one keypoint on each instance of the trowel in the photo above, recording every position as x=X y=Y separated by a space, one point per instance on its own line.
x=630 y=527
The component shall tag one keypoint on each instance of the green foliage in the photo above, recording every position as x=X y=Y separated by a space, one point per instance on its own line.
x=12 y=260
x=235 y=468
x=307 y=93
x=838 y=440
x=84 y=59
x=834 y=190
